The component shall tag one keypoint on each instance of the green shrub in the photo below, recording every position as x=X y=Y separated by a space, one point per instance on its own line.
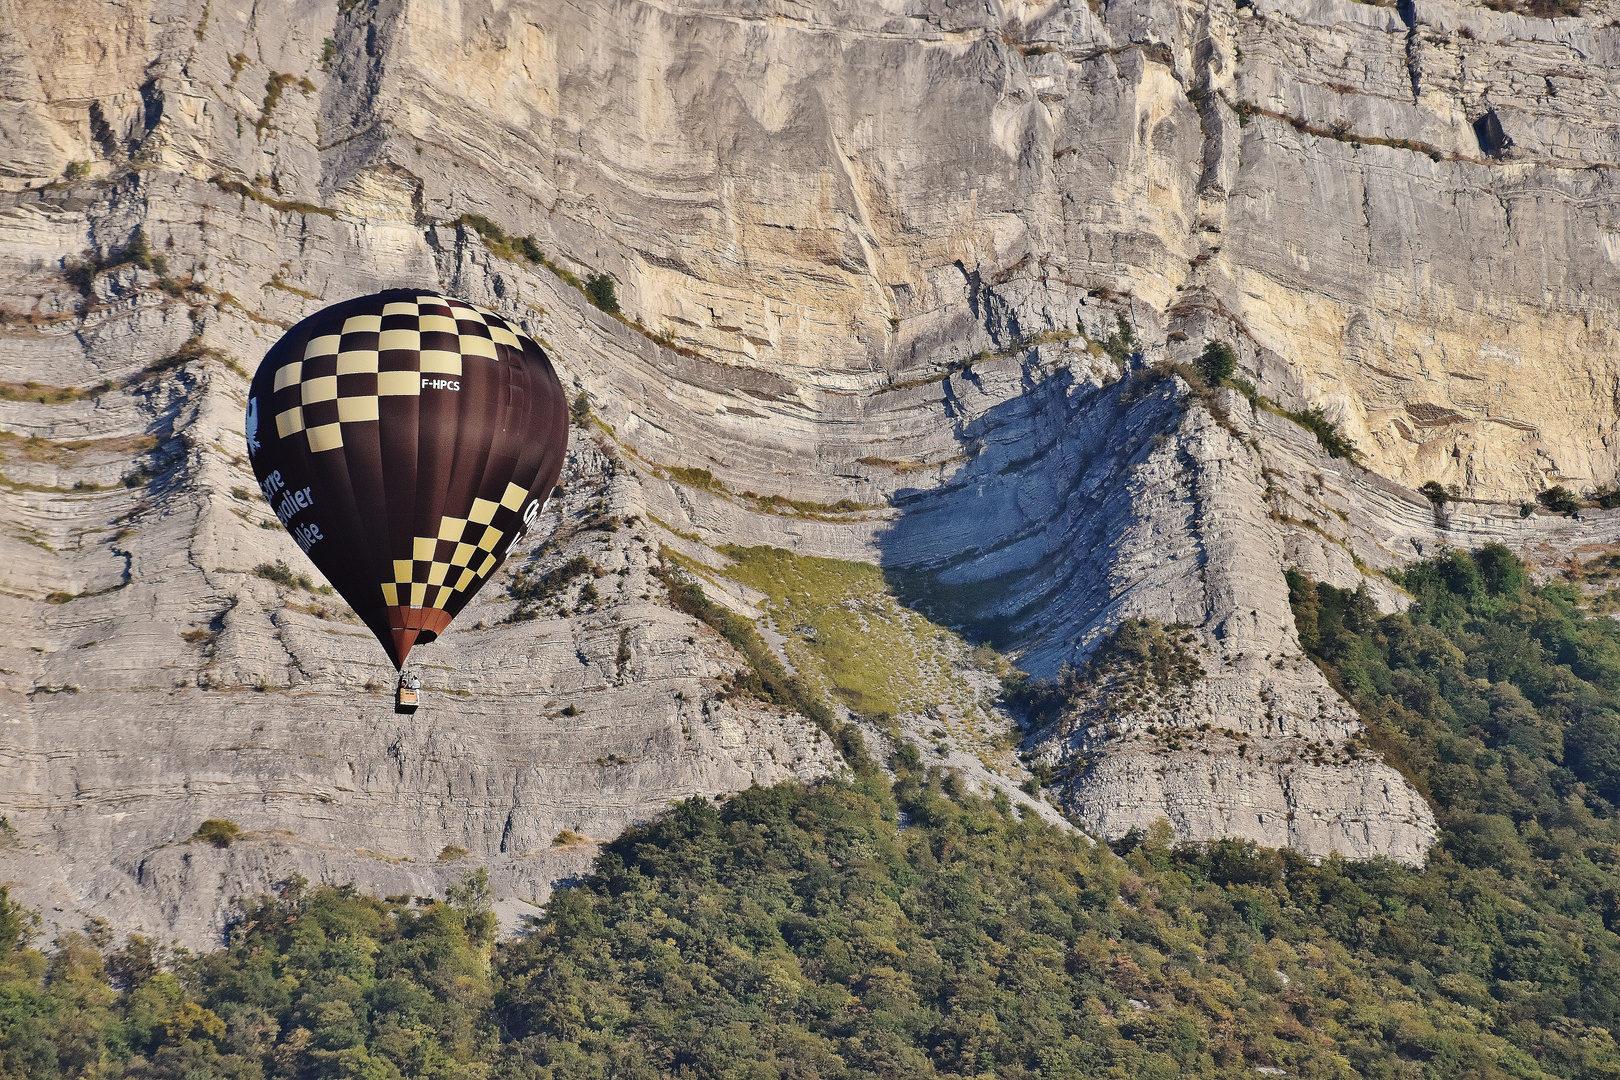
x=1327 y=433
x=282 y=574
x=580 y=409
x=1559 y=499
x=484 y=227
x=1435 y=493
x=602 y=292
x=1122 y=345
x=217 y=831
x=1217 y=363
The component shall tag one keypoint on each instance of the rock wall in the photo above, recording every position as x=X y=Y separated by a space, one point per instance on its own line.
x=865 y=252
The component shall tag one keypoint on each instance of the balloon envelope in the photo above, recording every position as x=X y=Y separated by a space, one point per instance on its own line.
x=406 y=440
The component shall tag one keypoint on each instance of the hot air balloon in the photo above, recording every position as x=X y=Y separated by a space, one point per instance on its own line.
x=407 y=441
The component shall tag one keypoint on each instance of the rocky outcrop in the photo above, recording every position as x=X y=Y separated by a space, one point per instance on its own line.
x=867 y=258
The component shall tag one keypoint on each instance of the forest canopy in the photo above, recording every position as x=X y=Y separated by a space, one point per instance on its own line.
x=878 y=926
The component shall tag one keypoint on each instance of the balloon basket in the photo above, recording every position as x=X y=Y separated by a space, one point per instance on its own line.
x=407 y=696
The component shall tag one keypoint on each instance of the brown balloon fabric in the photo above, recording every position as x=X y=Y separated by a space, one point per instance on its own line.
x=407 y=441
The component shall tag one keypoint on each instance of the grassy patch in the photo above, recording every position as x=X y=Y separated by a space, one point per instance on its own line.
x=777 y=503
x=1014 y=347
x=850 y=638
x=290 y=206
x=82 y=272
x=766 y=678
x=518 y=249
x=704 y=480
x=1342 y=132
x=218 y=832
x=694 y=478
x=42 y=394
x=283 y=575
x=274 y=87
x=894 y=464
x=960 y=605
x=667 y=527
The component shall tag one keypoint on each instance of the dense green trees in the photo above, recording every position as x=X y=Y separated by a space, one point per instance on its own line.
x=868 y=928
x=322 y=983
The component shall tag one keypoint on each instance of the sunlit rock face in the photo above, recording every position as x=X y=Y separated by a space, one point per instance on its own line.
x=869 y=255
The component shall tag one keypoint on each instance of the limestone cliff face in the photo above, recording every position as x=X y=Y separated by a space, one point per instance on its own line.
x=866 y=252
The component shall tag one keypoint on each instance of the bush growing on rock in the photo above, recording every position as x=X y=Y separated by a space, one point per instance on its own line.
x=603 y=293
x=1217 y=363
x=1122 y=346
x=1559 y=499
x=282 y=574
x=217 y=831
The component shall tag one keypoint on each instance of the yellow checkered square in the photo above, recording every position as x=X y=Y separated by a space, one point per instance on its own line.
x=289 y=374
x=321 y=389
x=399 y=339
x=362 y=324
x=441 y=362
x=423 y=547
x=483 y=511
x=399 y=384
x=357 y=362
x=353 y=410
x=399 y=307
x=472 y=345
x=463 y=555
x=325 y=437
x=451 y=528
x=290 y=422
x=325 y=345
x=436 y=572
x=513 y=497
x=492 y=536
